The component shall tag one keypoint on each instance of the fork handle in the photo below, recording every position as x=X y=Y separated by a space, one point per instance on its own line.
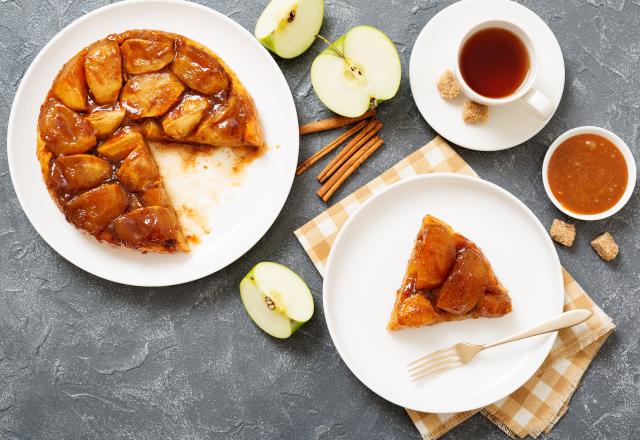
x=564 y=320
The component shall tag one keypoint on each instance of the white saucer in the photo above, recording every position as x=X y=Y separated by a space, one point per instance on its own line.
x=366 y=266
x=435 y=51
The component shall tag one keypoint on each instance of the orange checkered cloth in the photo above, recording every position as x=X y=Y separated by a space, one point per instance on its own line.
x=535 y=407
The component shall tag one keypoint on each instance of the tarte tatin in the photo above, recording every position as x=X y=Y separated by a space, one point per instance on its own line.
x=103 y=106
x=448 y=278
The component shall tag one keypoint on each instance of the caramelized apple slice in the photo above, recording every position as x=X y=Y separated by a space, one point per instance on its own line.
x=199 y=70
x=417 y=310
x=63 y=130
x=106 y=121
x=467 y=283
x=151 y=94
x=84 y=171
x=223 y=126
x=70 y=86
x=155 y=196
x=138 y=171
x=144 y=56
x=153 y=224
x=496 y=302
x=103 y=69
x=185 y=116
x=133 y=202
x=96 y=209
x=151 y=129
x=119 y=146
x=434 y=253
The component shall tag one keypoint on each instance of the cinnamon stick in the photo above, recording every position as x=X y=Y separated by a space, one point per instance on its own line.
x=346 y=170
x=333 y=122
x=367 y=133
x=304 y=166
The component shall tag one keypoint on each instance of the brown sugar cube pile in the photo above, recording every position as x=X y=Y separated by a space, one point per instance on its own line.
x=447 y=85
x=475 y=113
x=563 y=233
x=605 y=246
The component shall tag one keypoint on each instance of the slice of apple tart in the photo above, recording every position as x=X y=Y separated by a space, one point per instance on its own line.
x=103 y=106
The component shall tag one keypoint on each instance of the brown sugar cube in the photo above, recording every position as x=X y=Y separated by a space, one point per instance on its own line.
x=605 y=246
x=563 y=233
x=475 y=113
x=448 y=86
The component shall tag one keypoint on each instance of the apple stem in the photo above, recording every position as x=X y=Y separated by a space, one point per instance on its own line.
x=331 y=45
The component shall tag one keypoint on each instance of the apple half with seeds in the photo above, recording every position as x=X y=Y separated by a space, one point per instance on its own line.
x=276 y=299
x=358 y=71
x=289 y=27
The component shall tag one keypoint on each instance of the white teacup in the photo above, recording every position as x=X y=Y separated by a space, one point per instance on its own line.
x=534 y=98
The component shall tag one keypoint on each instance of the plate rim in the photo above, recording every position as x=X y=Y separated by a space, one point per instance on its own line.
x=466 y=145
x=550 y=339
x=19 y=190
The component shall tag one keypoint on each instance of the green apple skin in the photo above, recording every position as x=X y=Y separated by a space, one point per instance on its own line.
x=290 y=299
x=333 y=54
x=290 y=39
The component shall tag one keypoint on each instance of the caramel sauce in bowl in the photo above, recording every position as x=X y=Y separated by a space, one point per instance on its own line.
x=589 y=173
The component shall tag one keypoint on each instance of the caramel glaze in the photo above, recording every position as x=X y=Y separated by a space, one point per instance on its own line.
x=127 y=205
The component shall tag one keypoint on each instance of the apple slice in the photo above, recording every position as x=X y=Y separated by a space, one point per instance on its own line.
x=360 y=70
x=276 y=299
x=289 y=27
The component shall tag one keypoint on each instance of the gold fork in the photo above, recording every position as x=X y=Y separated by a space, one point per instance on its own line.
x=463 y=352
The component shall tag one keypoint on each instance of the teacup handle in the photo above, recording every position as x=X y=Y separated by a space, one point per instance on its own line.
x=539 y=103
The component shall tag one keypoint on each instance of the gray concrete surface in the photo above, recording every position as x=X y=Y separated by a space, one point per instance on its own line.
x=84 y=358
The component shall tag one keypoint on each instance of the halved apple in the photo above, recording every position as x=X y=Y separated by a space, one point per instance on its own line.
x=276 y=299
x=289 y=27
x=358 y=71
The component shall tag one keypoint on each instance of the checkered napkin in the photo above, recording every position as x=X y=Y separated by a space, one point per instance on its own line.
x=535 y=407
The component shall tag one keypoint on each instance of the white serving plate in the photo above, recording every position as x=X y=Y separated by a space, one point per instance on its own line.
x=366 y=266
x=239 y=222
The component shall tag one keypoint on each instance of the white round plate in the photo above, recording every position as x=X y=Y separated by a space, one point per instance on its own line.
x=240 y=223
x=435 y=51
x=366 y=266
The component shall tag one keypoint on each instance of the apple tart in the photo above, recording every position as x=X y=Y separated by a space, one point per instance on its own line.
x=107 y=102
x=448 y=278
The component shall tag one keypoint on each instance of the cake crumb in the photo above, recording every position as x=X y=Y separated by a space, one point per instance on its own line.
x=605 y=246
x=475 y=113
x=448 y=86
x=563 y=233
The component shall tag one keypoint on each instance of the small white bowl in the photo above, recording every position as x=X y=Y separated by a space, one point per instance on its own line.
x=626 y=153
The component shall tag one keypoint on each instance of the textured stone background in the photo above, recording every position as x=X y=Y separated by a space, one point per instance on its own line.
x=84 y=358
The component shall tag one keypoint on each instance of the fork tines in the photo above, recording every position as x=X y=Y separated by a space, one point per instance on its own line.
x=437 y=361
